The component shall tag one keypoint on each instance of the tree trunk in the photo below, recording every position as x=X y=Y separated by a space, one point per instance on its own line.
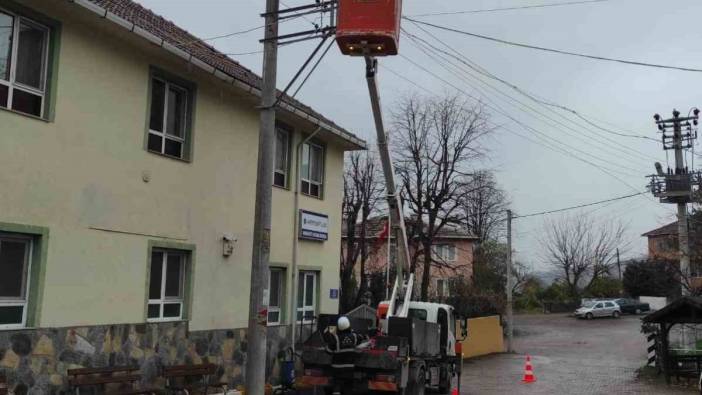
x=426 y=273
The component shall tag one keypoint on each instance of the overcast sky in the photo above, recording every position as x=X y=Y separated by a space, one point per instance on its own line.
x=615 y=96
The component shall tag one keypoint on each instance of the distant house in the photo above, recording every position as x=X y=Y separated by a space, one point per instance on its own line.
x=663 y=242
x=452 y=253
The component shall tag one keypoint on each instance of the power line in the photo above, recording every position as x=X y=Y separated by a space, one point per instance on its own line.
x=481 y=70
x=548 y=139
x=558 y=51
x=545 y=142
x=633 y=153
x=578 y=206
x=244 y=53
x=510 y=8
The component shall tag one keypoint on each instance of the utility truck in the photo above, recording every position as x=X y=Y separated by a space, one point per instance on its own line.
x=414 y=346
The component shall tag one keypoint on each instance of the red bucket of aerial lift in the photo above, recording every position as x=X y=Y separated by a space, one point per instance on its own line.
x=369 y=27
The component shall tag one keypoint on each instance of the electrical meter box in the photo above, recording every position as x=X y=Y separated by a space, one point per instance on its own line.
x=369 y=27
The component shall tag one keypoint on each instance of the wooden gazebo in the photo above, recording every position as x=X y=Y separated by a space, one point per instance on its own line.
x=686 y=310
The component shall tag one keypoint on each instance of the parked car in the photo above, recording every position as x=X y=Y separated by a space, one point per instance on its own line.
x=632 y=306
x=599 y=308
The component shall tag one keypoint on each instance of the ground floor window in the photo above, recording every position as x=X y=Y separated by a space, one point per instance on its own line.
x=167 y=284
x=15 y=258
x=276 y=292
x=306 y=296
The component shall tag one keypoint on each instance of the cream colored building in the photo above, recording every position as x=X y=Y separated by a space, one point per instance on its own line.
x=127 y=169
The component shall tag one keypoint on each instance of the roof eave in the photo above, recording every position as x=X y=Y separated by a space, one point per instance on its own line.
x=353 y=142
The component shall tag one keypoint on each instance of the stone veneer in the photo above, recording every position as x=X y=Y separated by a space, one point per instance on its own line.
x=35 y=361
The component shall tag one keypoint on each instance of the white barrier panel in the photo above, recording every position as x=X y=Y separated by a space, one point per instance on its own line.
x=656 y=302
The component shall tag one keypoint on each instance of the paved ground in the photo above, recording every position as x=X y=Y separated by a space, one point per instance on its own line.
x=569 y=356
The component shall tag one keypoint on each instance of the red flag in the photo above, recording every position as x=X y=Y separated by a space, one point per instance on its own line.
x=384 y=233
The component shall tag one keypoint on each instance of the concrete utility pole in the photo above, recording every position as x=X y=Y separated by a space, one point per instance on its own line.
x=677 y=186
x=508 y=287
x=258 y=300
x=683 y=240
x=619 y=265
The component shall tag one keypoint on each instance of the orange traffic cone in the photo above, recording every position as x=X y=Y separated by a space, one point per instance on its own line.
x=528 y=372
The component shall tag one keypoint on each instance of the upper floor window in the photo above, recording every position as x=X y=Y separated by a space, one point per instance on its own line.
x=15 y=253
x=444 y=252
x=312 y=171
x=24 y=47
x=282 y=158
x=169 y=118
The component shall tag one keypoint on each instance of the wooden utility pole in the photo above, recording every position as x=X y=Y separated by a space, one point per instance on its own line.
x=258 y=299
x=510 y=319
x=619 y=266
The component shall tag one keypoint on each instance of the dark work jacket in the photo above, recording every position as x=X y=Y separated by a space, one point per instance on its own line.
x=342 y=346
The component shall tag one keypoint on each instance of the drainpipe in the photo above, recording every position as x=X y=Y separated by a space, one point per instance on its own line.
x=296 y=210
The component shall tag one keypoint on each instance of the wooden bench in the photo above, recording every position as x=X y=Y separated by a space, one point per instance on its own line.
x=100 y=377
x=179 y=378
x=3 y=384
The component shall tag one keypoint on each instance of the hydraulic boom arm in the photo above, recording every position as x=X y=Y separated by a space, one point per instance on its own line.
x=402 y=290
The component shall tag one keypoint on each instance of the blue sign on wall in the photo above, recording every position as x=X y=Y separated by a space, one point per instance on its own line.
x=333 y=293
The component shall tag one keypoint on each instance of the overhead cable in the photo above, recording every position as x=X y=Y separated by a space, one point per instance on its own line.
x=509 y=8
x=558 y=51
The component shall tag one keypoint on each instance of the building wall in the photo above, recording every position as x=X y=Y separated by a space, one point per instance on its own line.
x=87 y=178
x=663 y=247
x=461 y=267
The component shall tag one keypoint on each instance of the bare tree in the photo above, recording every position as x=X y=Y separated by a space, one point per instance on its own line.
x=362 y=192
x=436 y=140
x=581 y=250
x=484 y=206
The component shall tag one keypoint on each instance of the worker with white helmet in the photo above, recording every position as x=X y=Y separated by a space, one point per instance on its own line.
x=342 y=345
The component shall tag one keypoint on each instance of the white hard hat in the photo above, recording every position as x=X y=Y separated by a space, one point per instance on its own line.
x=343 y=323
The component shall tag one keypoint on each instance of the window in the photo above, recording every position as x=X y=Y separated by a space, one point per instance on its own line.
x=312 y=171
x=306 y=296
x=609 y=304
x=15 y=251
x=444 y=252
x=169 y=118
x=167 y=285
x=282 y=160
x=442 y=287
x=276 y=290
x=599 y=306
x=24 y=47
x=419 y=314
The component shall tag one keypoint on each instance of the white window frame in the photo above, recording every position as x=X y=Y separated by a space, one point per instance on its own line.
x=163 y=300
x=441 y=252
x=24 y=302
x=442 y=287
x=286 y=171
x=164 y=135
x=17 y=21
x=281 y=289
x=313 y=307
x=320 y=183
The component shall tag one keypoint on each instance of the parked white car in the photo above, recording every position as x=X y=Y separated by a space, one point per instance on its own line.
x=600 y=308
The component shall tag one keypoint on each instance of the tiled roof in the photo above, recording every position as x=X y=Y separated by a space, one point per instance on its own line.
x=670 y=229
x=170 y=33
x=375 y=226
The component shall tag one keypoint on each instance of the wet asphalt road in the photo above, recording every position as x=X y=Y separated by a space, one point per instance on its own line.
x=569 y=356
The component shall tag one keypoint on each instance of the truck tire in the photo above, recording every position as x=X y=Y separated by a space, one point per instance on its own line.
x=416 y=385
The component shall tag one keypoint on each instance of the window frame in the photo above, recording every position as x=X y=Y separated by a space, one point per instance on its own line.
x=315 y=294
x=310 y=182
x=288 y=150
x=442 y=288
x=189 y=269
x=46 y=75
x=441 y=251
x=190 y=90
x=164 y=300
x=24 y=300
x=280 y=309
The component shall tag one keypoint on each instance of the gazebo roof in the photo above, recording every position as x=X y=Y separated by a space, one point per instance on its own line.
x=686 y=310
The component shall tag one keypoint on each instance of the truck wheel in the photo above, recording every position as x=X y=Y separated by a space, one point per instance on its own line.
x=416 y=384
